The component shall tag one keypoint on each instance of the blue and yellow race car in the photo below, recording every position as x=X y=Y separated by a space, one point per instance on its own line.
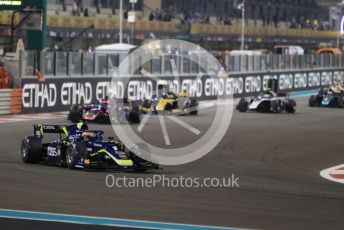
x=79 y=147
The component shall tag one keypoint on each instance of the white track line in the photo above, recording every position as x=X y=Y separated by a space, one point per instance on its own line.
x=326 y=173
x=184 y=124
x=31 y=117
x=164 y=130
x=144 y=121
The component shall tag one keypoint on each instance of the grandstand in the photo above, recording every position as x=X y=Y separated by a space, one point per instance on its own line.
x=215 y=23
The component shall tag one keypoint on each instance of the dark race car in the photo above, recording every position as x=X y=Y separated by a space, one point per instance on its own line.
x=79 y=148
x=269 y=101
x=329 y=97
x=99 y=112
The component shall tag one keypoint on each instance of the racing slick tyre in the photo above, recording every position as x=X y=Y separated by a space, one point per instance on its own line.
x=74 y=153
x=276 y=106
x=191 y=106
x=312 y=102
x=146 y=104
x=75 y=113
x=31 y=149
x=134 y=115
x=242 y=105
x=341 y=101
x=290 y=107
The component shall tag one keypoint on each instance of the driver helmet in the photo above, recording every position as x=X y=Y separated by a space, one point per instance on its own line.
x=89 y=136
x=105 y=100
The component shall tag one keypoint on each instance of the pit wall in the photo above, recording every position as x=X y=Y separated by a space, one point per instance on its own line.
x=59 y=93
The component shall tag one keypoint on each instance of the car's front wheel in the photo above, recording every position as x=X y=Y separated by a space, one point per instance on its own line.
x=75 y=153
x=75 y=113
x=191 y=106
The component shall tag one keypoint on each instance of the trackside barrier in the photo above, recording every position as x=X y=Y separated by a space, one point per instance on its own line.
x=59 y=93
x=10 y=101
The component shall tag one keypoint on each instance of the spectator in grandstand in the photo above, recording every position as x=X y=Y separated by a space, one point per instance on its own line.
x=64 y=7
x=86 y=12
x=170 y=12
x=151 y=16
x=315 y=24
x=157 y=15
x=206 y=20
x=264 y=20
x=275 y=20
x=163 y=16
x=220 y=21
x=227 y=21
x=75 y=9
x=80 y=6
x=293 y=24
x=98 y=6
x=308 y=24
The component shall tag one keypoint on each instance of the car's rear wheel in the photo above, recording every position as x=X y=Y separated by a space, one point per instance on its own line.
x=242 y=105
x=74 y=153
x=290 y=107
x=31 y=149
x=341 y=101
x=276 y=106
x=312 y=102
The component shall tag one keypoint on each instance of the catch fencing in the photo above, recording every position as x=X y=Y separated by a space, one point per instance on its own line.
x=81 y=77
x=76 y=64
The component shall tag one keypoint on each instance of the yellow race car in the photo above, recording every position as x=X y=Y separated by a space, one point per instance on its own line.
x=171 y=103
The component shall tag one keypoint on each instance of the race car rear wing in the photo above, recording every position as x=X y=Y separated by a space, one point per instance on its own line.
x=39 y=130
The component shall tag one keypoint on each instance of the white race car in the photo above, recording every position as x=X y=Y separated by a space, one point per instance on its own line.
x=268 y=102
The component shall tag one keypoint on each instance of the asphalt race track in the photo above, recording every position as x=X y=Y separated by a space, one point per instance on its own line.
x=277 y=158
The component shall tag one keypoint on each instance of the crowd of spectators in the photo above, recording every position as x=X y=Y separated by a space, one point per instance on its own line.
x=260 y=17
x=78 y=9
x=161 y=15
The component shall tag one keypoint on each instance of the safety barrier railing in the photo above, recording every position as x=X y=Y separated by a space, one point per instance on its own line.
x=255 y=63
x=101 y=64
x=10 y=101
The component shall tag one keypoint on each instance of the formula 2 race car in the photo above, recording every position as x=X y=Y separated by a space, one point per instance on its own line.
x=80 y=148
x=268 y=101
x=170 y=102
x=328 y=97
x=99 y=112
